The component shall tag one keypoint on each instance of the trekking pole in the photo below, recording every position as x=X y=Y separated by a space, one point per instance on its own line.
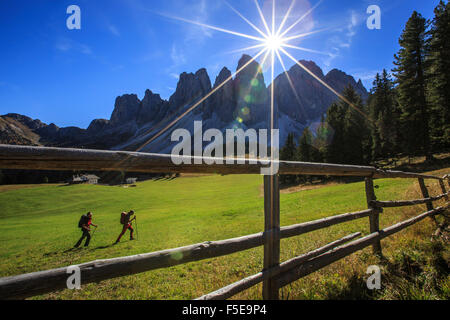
x=137 y=234
x=92 y=237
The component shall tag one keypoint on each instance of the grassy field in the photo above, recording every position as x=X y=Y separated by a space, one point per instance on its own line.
x=39 y=226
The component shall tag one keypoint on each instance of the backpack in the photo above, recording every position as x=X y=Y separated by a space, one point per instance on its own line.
x=83 y=220
x=123 y=218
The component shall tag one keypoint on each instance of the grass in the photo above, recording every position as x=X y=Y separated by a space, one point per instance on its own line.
x=39 y=225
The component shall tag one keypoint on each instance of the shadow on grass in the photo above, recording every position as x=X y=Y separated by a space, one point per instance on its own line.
x=70 y=250
x=424 y=166
x=105 y=247
x=54 y=253
x=355 y=289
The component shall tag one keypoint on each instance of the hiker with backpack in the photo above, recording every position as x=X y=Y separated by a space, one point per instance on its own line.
x=85 y=224
x=125 y=220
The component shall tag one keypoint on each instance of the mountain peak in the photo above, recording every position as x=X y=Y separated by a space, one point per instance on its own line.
x=243 y=60
x=224 y=74
x=201 y=72
x=97 y=126
x=336 y=73
x=125 y=109
x=310 y=65
x=251 y=91
x=339 y=80
x=253 y=69
x=190 y=88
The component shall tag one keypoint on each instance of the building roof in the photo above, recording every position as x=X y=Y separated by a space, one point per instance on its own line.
x=85 y=177
x=90 y=176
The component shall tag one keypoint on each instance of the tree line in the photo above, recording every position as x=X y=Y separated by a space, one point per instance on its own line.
x=407 y=112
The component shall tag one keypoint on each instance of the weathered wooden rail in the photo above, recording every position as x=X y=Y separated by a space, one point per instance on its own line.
x=36 y=158
x=275 y=274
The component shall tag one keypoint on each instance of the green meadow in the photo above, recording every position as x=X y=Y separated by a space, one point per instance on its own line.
x=39 y=226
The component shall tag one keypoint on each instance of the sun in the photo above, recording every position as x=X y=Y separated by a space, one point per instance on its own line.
x=274 y=42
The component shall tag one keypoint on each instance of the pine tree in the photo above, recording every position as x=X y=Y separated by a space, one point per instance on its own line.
x=288 y=153
x=374 y=104
x=323 y=137
x=351 y=142
x=439 y=77
x=335 y=120
x=411 y=86
x=384 y=117
x=357 y=146
x=306 y=150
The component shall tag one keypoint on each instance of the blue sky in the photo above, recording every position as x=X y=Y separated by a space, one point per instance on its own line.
x=70 y=77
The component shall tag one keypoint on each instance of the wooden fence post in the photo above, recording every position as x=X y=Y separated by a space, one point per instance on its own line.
x=374 y=218
x=444 y=191
x=272 y=228
x=426 y=194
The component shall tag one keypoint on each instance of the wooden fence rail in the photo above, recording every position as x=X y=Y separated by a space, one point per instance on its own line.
x=274 y=275
x=405 y=203
x=39 y=158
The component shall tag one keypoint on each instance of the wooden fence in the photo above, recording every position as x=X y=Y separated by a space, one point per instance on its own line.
x=274 y=275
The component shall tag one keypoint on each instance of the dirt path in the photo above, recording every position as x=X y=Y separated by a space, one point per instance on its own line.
x=295 y=189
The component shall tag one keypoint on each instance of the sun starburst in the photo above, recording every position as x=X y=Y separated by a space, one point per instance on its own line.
x=274 y=42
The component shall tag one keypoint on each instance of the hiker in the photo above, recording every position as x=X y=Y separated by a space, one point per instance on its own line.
x=126 y=222
x=85 y=224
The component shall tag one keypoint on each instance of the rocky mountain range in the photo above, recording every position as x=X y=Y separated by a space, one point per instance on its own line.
x=244 y=102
